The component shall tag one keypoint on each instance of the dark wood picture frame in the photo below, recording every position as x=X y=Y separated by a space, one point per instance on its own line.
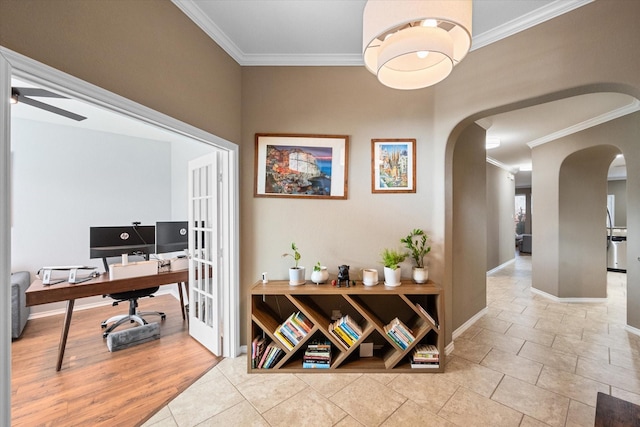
x=393 y=165
x=301 y=166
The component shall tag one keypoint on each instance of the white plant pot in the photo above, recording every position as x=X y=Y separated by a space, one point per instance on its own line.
x=296 y=276
x=320 y=276
x=392 y=277
x=420 y=274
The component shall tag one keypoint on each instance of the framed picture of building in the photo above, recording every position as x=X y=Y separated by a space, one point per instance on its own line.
x=301 y=166
x=393 y=165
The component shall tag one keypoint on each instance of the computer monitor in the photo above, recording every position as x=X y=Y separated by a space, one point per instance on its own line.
x=105 y=242
x=171 y=236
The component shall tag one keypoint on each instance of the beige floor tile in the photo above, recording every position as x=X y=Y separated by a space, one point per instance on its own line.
x=382 y=378
x=428 y=390
x=549 y=356
x=309 y=408
x=625 y=395
x=470 y=350
x=508 y=306
x=531 y=302
x=527 y=421
x=571 y=385
x=623 y=343
x=467 y=408
x=493 y=324
x=515 y=366
x=242 y=414
x=190 y=409
x=235 y=369
x=608 y=374
x=584 y=349
x=268 y=390
x=328 y=384
x=471 y=375
x=580 y=415
x=518 y=319
x=348 y=421
x=556 y=327
x=628 y=359
x=499 y=341
x=470 y=332
x=531 y=334
x=541 y=313
x=368 y=401
x=543 y=405
x=412 y=414
x=163 y=418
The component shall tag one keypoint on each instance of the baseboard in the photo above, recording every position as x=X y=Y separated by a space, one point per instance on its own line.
x=567 y=300
x=501 y=266
x=466 y=325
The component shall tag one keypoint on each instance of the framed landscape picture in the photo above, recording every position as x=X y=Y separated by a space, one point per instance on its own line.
x=393 y=165
x=301 y=166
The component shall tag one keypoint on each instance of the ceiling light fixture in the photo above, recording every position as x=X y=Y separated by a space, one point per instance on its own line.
x=415 y=44
x=491 y=143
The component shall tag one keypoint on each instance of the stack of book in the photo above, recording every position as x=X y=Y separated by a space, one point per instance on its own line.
x=317 y=355
x=399 y=333
x=293 y=330
x=346 y=330
x=266 y=355
x=428 y=316
x=425 y=356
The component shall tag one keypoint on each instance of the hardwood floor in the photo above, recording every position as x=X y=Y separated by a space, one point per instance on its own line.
x=96 y=387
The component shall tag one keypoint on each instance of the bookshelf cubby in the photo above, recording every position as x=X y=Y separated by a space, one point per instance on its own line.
x=419 y=307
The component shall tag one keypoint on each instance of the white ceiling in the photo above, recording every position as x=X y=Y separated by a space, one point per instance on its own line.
x=329 y=32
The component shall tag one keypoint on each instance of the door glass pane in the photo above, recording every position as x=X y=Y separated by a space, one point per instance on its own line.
x=520 y=212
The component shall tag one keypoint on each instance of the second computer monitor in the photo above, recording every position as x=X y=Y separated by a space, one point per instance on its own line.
x=171 y=236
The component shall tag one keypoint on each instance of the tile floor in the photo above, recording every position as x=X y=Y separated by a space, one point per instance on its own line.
x=528 y=361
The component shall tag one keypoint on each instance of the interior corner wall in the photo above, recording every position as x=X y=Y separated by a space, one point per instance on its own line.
x=500 y=189
x=470 y=235
x=551 y=266
x=67 y=179
x=582 y=270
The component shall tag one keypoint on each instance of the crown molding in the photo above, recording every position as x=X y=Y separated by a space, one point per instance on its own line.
x=632 y=107
x=501 y=165
x=526 y=21
x=195 y=13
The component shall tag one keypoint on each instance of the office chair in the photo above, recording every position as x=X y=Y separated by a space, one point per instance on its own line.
x=134 y=315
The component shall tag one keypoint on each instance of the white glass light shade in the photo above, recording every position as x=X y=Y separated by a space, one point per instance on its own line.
x=401 y=67
x=384 y=20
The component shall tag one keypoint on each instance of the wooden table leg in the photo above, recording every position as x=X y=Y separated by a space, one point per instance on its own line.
x=181 y=300
x=65 y=332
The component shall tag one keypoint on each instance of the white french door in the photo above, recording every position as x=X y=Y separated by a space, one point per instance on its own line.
x=205 y=253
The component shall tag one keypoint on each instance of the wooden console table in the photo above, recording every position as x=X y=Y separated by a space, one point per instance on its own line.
x=372 y=308
x=43 y=294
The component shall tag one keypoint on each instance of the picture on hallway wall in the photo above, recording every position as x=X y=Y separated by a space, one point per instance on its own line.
x=301 y=166
x=393 y=165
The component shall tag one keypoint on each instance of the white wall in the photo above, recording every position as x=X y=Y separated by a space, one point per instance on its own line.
x=67 y=179
x=181 y=153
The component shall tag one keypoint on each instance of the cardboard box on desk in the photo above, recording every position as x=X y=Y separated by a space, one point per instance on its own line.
x=133 y=269
x=179 y=264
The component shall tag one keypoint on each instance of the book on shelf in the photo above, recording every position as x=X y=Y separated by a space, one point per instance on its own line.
x=428 y=316
x=426 y=351
x=292 y=331
x=424 y=365
x=257 y=350
x=317 y=355
x=399 y=333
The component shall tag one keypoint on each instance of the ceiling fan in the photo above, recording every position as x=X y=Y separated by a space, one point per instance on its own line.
x=24 y=94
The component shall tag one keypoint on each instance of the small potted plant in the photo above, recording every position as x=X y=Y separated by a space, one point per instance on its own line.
x=296 y=273
x=416 y=243
x=391 y=259
x=319 y=274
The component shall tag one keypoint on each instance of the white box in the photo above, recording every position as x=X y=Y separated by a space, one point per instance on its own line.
x=179 y=264
x=366 y=349
x=133 y=269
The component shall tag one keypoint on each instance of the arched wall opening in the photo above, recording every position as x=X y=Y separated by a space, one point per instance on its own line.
x=465 y=234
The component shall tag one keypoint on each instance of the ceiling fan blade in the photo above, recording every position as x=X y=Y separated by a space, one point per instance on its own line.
x=50 y=108
x=34 y=91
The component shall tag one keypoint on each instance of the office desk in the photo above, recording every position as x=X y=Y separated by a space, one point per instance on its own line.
x=44 y=294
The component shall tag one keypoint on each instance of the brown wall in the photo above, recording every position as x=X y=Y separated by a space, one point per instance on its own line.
x=144 y=50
